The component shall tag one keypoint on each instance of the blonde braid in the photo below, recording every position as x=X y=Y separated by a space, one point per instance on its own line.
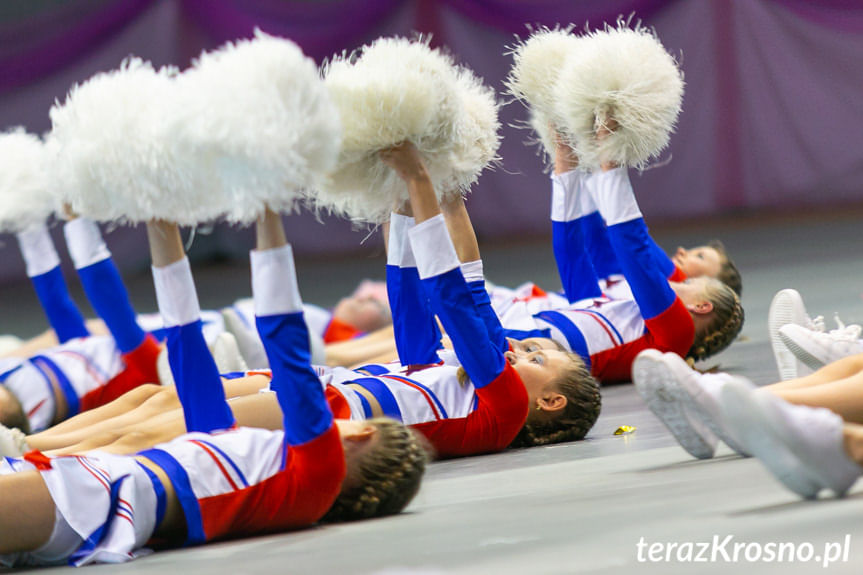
x=388 y=476
x=728 y=322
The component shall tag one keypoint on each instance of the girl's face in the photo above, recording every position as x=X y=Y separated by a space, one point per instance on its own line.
x=698 y=261
x=537 y=369
x=530 y=344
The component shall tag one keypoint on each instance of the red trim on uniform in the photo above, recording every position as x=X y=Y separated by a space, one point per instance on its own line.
x=297 y=496
x=601 y=323
x=215 y=458
x=338 y=330
x=39 y=460
x=140 y=369
x=677 y=275
x=337 y=402
x=500 y=414
x=424 y=393
x=36 y=408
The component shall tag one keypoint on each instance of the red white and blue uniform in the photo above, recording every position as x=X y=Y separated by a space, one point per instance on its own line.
x=482 y=415
x=88 y=370
x=596 y=223
x=229 y=481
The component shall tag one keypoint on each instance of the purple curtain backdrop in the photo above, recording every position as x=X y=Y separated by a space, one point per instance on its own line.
x=772 y=91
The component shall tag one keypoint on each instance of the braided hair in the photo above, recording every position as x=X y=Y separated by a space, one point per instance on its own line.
x=388 y=475
x=727 y=321
x=583 y=403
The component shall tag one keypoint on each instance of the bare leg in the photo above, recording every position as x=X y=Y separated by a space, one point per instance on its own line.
x=120 y=406
x=844 y=397
x=105 y=430
x=26 y=512
x=841 y=369
x=852 y=436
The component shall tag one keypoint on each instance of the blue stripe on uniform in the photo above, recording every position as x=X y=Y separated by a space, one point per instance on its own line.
x=382 y=393
x=608 y=324
x=159 y=490
x=228 y=459
x=373 y=369
x=91 y=542
x=572 y=334
x=424 y=388
x=183 y=488
x=73 y=402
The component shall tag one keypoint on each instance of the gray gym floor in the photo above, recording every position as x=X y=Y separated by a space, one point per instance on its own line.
x=581 y=507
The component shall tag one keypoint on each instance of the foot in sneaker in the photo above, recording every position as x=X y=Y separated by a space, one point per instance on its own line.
x=13 y=442
x=802 y=446
x=9 y=343
x=818 y=348
x=226 y=353
x=655 y=381
x=247 y=338
x=786 y=309
x=700 y=395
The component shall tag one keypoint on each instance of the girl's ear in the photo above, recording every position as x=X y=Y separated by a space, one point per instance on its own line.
x=551 y=401
x=701 y=307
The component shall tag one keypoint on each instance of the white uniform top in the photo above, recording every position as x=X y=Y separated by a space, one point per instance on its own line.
x=77 y=367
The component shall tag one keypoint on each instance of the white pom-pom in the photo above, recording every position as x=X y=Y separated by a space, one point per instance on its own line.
x=259 y=116
x=537 y=64
x=25 y=197
x=115 y=156
x=396 y=90
x=476 y=133
x=622 y=79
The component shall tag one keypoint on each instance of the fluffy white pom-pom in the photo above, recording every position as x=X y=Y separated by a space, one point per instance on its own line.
x=395 y=90
x=25 y=197
x=537 y=64
x=476 y=133
x=115 y=154
x=259 y=115
x=625 y=80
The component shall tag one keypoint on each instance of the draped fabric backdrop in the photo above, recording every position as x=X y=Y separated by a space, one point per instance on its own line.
x=770 y=113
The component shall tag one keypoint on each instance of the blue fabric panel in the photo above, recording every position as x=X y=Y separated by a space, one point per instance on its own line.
x=452 y=301
x=183 y=489
x=635 y=253
x=305 y=411
x=197 y=379
x=598 y=246
x=573 y=335
x=416 y=332
x=108 y=296
x=382 y=393
x=576 y=271
x=486 y=312
x=63 y=315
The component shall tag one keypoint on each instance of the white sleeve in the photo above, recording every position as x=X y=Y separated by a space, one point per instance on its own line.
x=175 y=293
x=613 y=195
x=274 y=281
x=570 y=199
x=85 y=243
x=433 y=248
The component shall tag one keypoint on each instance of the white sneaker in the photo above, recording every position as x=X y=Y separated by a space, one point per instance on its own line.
x=700 y=395
x=655 y=380
x=226 y=353
x=787 y=308
x=817 y=348
x=248 y=341
x=802 y=446
x=13 y=442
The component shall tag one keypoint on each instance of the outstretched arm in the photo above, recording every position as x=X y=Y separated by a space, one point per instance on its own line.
x=577 y=230
x=43 y=269
x=195 y=373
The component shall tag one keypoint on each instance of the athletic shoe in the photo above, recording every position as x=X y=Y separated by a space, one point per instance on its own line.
x=226 y=353
x=248 y=342
x=13 y=442
x=9 y=343
x=816 y=348
x=802 y=446
x=700 y=392
x=785 y=309
x=655 y=381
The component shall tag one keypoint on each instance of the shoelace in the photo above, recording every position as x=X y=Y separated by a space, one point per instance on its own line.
x=816 y=324
x=845 y=332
